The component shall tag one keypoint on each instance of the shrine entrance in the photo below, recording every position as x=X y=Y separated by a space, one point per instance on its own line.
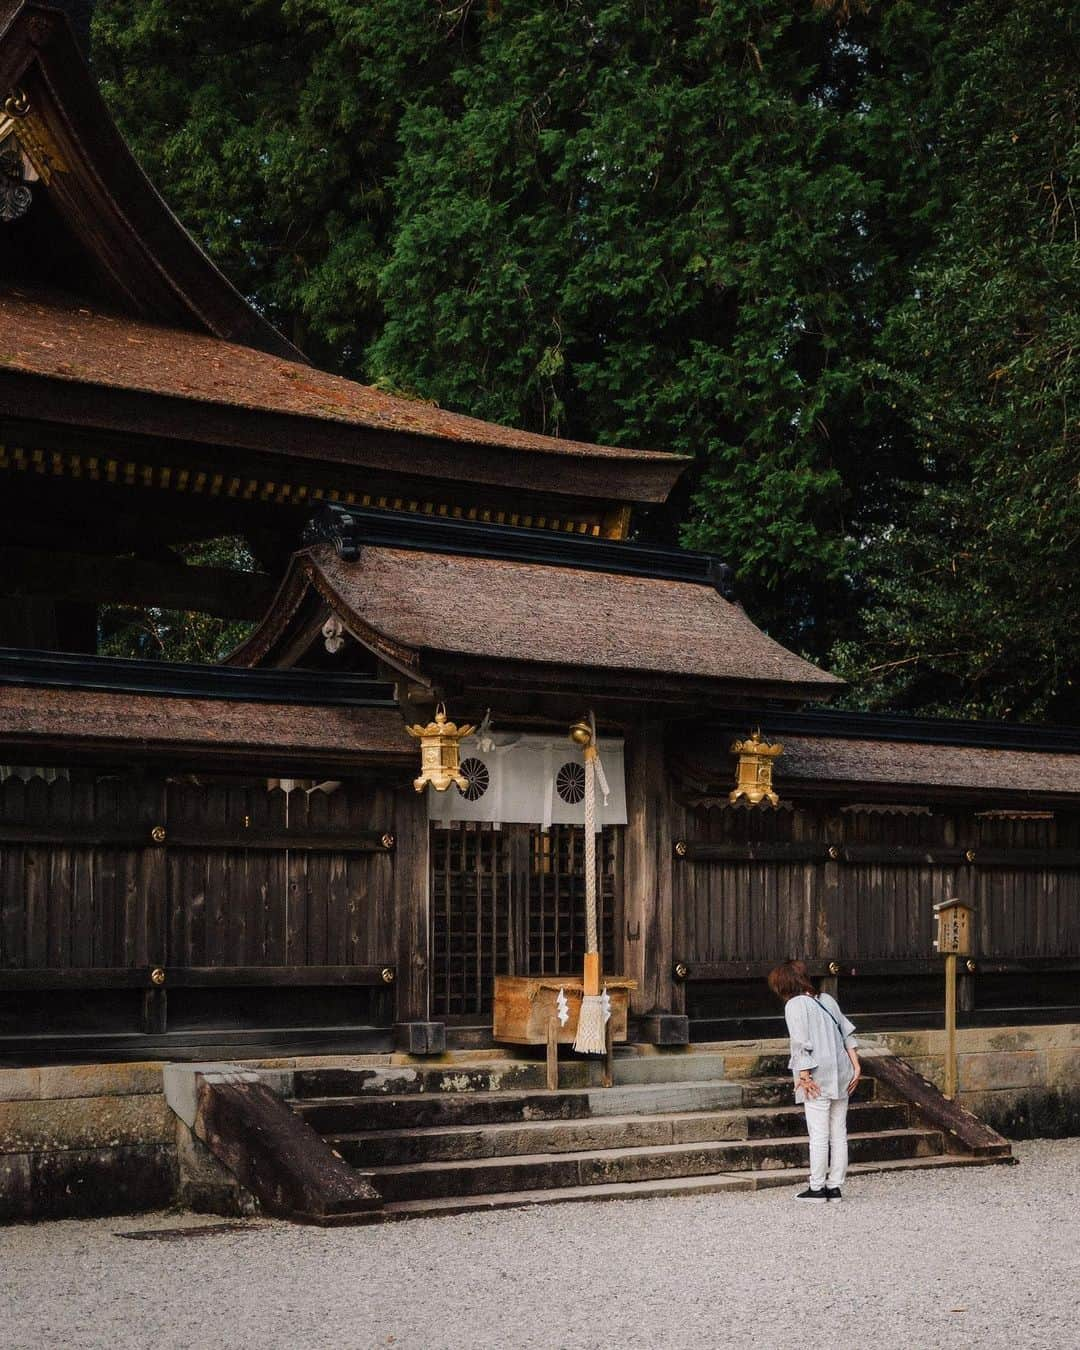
x=510 y=900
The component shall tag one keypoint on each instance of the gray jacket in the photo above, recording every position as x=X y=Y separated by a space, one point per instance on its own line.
x=819 y=1043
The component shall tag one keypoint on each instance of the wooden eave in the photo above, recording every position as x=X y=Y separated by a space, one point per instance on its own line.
x=150 y=262
x=196 y=362
x=838 y=767
x=41 y=725
x=313 y=589
x=597 y=478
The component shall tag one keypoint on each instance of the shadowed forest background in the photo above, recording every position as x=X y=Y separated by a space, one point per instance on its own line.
x=830 y=252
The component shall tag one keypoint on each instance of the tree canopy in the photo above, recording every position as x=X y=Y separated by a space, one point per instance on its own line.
x=829 y=251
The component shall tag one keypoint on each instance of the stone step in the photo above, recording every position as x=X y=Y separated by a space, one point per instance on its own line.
x=453 y=1143
x=739 y=1065
x=709 y=1184
x=501 y=1075
x=446 y=1080
x=779 y=1091
x=378 y=1111
x=649 y=1163
x=675 y=1066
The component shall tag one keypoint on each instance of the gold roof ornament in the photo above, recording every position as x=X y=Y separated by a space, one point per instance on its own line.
x=754 y=782
x=440 y=752
x=43 y=157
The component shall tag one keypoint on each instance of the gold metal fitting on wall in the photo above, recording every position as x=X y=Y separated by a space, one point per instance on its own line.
x=754 y=782
x=440 y=752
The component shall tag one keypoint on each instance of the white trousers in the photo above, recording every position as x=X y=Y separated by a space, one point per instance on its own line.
x=826 y=1122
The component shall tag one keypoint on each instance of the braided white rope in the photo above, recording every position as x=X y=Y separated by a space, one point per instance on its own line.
x=592 y=943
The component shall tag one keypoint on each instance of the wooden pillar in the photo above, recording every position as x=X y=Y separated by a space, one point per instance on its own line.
x=647 y=938
x=950 y=1026
x=412 y=908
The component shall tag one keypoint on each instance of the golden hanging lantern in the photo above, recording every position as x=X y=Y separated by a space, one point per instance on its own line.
x=755 y=770
x=440 y=752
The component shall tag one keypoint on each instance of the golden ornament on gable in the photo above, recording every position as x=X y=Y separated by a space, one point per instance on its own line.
x=754 y=781
x=20 y=126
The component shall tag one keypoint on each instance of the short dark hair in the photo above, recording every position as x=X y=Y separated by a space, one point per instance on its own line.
x=789 y=979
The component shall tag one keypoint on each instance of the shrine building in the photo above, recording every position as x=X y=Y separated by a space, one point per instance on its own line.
x=212 y=862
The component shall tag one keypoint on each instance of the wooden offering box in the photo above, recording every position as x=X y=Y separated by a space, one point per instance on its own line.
x=525 y=1012
x=525 y=1007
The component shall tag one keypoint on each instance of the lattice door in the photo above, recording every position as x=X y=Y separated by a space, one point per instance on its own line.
x=512 y=901
x=556 y=899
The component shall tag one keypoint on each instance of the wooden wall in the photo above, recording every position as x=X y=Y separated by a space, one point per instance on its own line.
x=856 y=886
x=224 y=886
x=878 y=907
x=82 y=883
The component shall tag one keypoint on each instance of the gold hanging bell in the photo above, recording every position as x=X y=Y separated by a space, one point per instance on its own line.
x=754 y=782
x=440 y=752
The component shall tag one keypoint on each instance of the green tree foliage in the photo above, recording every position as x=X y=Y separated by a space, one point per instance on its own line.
x=974 y=593
x=785 y=239
x=174 y=634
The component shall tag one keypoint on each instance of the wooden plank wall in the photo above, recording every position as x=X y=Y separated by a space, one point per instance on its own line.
x=1028 y=911
x=279 y=907
x=734 y=910
x=76 y=902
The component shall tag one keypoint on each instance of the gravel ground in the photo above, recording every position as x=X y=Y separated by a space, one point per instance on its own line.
x=980 y=1257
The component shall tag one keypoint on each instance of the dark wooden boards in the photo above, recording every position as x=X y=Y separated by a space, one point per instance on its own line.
x=857 y=885
x=181 y=890
x=824 y=852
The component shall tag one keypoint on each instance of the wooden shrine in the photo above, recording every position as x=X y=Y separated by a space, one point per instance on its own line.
x=211 y=861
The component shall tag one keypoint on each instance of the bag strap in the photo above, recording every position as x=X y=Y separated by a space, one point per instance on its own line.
x=827 y=1013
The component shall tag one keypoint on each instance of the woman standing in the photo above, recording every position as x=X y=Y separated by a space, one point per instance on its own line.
x=826 y=1070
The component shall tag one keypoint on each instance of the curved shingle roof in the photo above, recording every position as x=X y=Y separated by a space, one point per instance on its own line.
x=496 y=610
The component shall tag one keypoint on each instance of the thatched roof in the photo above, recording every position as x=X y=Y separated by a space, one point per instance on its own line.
x=412 y=606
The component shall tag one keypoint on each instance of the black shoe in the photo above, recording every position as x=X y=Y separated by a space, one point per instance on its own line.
x=808 y=1194
x=833 y=1193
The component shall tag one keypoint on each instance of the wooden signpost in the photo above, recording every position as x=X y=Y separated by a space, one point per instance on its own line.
x=953 y=940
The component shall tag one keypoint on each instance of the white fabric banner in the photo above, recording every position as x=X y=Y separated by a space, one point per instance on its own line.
x=531 y=780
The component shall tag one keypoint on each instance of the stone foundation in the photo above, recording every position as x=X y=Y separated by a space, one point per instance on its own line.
x=100 y=1139
x=1024 y=1082
x=84 y=1140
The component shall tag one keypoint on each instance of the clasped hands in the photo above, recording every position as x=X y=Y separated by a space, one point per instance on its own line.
x=811 y=1089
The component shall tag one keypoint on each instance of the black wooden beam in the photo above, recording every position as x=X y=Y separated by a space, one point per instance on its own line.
x=200 y=977
x=844 y=725
x=910 y=855
x=94 y=579
x=305 y=841
x=65 y=670
x=719 y=972
x=349 y=528
x=94 y=834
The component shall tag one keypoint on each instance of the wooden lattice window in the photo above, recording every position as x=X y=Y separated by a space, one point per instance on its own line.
x=556 y=897
x=511 y=901
x=470 y=916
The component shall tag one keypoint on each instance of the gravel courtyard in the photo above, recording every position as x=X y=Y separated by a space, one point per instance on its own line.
x=980 y=1257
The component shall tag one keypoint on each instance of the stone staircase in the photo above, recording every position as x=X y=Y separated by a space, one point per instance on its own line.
x=435 y=1140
